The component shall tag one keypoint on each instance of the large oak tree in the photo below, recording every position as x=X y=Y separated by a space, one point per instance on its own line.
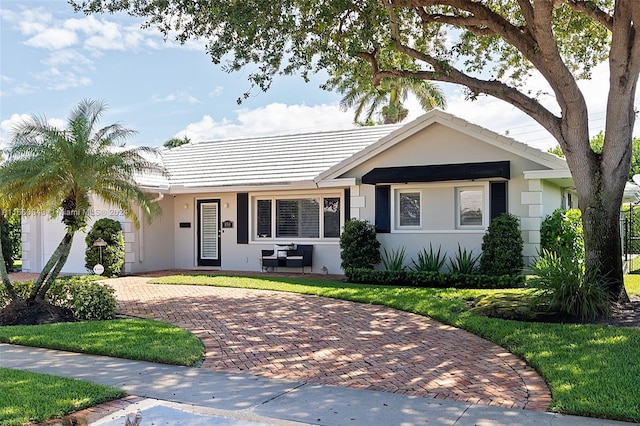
x=489 y=46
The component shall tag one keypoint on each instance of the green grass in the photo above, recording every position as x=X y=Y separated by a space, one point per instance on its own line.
x=139 y=339
x=592 y=370
x=33 y=397
x=632 y=283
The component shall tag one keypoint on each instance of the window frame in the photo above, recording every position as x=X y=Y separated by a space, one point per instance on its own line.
x=458 y=206
x=273 y=198
x=398 y=204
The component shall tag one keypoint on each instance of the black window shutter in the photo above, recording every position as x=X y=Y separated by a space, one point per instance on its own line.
x=498 y=198
x=347 y=204
x=243 y=217
x=383 y=209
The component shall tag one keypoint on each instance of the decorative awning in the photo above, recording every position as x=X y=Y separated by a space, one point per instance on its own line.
x=438 y=172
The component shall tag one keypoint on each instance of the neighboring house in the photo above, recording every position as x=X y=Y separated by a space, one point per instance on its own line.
x=437 y=180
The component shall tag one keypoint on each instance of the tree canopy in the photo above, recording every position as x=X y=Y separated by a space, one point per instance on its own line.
x=491 y=47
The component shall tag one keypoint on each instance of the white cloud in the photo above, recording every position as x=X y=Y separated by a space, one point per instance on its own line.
x=67 y=57
x=8 y=126
x=57 y=79
x=53 y=39
x=179 y=96
x=274 y=118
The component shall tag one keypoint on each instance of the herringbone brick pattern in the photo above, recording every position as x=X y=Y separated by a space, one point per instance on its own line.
x=320 y=340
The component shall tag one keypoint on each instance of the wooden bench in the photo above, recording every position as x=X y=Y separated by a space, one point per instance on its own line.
x=298 y=257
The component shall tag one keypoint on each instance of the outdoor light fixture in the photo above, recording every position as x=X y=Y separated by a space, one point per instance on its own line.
x=98 y=269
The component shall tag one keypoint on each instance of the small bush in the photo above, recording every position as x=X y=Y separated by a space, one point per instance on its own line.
x=561 y=233
x=565 y=287
x=112 y=254
x=463 y=262
x=502 y=247
x=429 y=261
x=359 y=246
x=394 y=260
x=87 y=299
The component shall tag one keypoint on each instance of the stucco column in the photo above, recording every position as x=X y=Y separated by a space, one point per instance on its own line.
x=128 y=230
x=530 y=225
x=357 y=202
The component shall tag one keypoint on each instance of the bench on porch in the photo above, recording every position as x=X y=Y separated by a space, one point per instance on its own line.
x=289 y=256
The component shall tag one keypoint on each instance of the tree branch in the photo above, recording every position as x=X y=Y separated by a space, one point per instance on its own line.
x=590 y=9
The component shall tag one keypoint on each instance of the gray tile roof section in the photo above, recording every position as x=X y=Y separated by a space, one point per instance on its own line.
x=269 y=160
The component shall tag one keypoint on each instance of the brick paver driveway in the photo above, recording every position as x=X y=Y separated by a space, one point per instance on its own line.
x=320 y=340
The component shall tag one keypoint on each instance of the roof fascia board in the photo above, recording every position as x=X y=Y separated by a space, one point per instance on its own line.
x=184 y=189
x=547 y=174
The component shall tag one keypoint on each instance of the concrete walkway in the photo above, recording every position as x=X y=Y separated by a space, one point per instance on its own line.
x=171 y=395
x=325 y=341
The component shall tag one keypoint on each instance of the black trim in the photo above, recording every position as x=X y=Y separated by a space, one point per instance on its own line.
x=438 y=173
x=208 y=262
x=347 y=204
x=242 y=217
x=383 y=209
x=497 y=198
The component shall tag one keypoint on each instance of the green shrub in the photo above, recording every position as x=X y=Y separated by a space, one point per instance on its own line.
x=112 y=254
x=561 y=233
x=394 y=260
x=11 y=234
x=502 y=247
x=463 y=262
x=565 y=287
x=359 y=246
x=429 y=261
x=87 y=299
x=433 y=279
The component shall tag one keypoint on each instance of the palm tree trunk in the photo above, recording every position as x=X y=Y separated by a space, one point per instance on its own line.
x=53 y=262
x=11 y=291
x=66 y=249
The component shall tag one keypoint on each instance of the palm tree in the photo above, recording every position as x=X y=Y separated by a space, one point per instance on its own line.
x=388 y=97
x=58 y=171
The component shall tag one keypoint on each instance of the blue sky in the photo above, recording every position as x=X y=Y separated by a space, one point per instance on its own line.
x=51 y=58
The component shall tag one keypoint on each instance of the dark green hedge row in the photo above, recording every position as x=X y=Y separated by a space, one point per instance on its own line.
x=433 y=279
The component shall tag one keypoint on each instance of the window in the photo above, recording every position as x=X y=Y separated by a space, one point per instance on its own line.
x=470 y=206
x=297 y=218
x=332 y=217
x=409 y=209
x=289 y=218
x=264 y=219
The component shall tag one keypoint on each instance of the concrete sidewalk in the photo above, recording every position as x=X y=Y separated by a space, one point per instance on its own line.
x=174 y=395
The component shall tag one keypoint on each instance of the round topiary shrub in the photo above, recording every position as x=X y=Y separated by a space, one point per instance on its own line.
x=359 y=246
x=502 y=247
x=561 y=233
x=112 y=254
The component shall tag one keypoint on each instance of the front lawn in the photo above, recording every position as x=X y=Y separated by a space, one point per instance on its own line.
x=140 y=339
x=26 y=396
x=592 y=370
x=32 y=397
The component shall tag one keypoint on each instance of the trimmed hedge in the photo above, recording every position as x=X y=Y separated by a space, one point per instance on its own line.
x=434 y=279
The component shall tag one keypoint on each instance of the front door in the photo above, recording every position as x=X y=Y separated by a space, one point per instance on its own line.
x=209 y=233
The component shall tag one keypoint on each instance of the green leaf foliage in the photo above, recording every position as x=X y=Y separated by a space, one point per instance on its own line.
x=11 y=234
x=393 y=260
x=463 y=262
x=359 y=245
x=429 y=261
x=565 y=286
x=112 y=255
x=561 y=233
x=502 y=247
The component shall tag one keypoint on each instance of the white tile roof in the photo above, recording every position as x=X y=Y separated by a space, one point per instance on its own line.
x=269 y=160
